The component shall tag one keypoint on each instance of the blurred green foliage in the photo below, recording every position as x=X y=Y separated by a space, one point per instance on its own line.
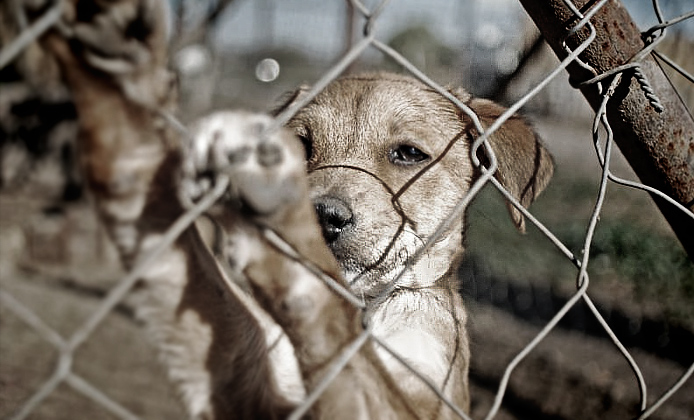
x=625 y=248
x=657 y=265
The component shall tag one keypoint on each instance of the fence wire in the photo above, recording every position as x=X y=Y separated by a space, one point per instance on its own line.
x=602 y=141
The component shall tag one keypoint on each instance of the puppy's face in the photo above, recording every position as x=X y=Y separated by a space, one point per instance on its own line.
x=388 y=159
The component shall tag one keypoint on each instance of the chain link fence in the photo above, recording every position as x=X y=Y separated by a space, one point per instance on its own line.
x=67 y=343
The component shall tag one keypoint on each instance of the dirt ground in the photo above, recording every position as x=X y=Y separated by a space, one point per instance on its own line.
x=60 y=266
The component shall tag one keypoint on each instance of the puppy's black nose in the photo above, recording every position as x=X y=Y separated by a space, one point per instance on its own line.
x=335 y=217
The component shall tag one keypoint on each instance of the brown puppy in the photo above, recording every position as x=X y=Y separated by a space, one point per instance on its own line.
x=234 y=354
x=388 y=159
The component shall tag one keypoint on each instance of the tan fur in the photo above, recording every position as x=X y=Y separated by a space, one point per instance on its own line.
x=253 y=355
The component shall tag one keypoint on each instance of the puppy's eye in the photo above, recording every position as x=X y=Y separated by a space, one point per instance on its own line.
x=405 y=154
x=308 y=145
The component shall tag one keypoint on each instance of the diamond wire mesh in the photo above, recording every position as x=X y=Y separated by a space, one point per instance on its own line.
x=602 y=141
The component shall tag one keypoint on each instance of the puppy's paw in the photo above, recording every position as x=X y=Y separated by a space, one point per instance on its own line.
x=121 y=36
x=121 y=40
x=266 y=170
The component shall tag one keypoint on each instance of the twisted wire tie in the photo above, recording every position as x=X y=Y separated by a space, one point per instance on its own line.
x=648 y=90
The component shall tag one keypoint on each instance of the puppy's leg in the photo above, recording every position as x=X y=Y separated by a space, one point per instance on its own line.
x=272 y=222
x=213 y=346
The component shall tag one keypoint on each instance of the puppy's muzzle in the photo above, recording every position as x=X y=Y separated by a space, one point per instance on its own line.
x=335 y=217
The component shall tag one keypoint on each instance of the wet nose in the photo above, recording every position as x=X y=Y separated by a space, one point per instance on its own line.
x=335 y=217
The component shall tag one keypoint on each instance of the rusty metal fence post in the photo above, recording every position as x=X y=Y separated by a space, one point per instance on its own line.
x=656 y=138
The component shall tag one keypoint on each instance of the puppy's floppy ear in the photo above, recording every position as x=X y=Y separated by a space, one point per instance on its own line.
x=525 y=165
